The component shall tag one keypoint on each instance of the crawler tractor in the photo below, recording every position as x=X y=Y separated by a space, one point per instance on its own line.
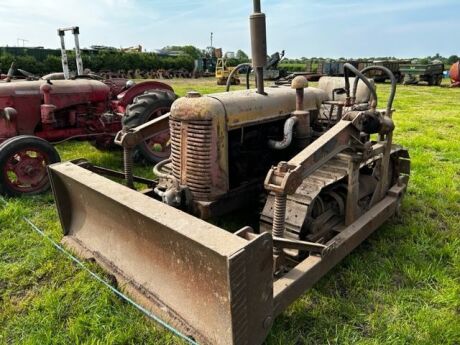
x=315 y=167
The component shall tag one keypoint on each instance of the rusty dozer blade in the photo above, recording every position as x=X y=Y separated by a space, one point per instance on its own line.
x=213 y=285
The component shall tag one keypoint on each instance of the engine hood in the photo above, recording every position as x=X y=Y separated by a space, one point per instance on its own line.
x=94 y=91
x=242 y=108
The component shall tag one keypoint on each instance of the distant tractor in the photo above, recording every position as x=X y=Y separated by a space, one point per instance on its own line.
x=223 y=72
x=38 y=113
x=431 y=73
x=35 y=114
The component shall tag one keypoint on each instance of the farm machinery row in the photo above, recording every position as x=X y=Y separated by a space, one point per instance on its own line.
x=148 y=74
x=316 y=168
x=404 y=71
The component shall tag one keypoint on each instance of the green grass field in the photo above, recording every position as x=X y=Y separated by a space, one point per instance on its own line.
x=401 y=286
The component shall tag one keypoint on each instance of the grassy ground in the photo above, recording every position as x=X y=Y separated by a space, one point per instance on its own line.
x=401 y=286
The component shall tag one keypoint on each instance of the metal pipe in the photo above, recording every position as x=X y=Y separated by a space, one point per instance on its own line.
x=233 y=72
x=65 y=62
x=260 y=80
x=287 y=138
x=79 y=61
x=299 y=99
x=258 y=44
x=256 y=4
x=393 y=84
x=158 y=166
x=366 y=81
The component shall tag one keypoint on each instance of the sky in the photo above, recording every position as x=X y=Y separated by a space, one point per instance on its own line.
x=310 y=28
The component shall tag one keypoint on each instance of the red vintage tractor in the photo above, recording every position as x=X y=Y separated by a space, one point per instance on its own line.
x=36 y=114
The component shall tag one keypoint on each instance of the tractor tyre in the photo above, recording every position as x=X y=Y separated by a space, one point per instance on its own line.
x=439 y=80
x=431 y=80
x=23 y=162
x=144 y=108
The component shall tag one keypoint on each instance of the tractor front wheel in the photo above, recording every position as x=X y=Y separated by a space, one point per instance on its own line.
x=23 y=161
x=144 y=108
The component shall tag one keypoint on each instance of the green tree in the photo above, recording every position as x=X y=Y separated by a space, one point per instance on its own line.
x=241 y=56
x=453 y=59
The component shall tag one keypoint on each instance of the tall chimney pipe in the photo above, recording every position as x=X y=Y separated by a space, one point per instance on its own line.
x=258 y=44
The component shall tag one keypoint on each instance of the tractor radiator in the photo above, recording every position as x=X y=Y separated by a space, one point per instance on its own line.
x=191 y=153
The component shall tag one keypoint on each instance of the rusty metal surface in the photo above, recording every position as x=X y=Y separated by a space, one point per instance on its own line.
x=331 y=191
x=245 y=107
x=303 y=276
x=199 y=127
x=334 y=171
x=212 y=284
x=190 y=271
x=198 y=153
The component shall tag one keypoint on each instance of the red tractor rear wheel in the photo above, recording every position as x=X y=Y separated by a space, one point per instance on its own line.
x=23 y=161
x=144 y=108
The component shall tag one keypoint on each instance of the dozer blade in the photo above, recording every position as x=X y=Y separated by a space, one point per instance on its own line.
x=213 y=285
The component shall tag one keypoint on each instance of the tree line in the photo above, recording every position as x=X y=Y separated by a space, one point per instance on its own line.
x=112 y=61
x=109 y=60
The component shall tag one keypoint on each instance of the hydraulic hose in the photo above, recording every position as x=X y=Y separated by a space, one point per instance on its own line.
x=287 y=137
x=393 y=84
x=232 y=73
x=358 y=74
x=158 y=166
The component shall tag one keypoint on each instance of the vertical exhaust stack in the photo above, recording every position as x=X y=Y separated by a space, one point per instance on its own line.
x=65 y=63
x=258 y=44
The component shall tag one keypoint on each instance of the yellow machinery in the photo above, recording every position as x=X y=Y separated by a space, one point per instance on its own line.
x=223 y=72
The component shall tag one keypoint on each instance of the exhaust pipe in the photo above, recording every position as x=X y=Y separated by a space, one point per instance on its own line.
x=258 y=44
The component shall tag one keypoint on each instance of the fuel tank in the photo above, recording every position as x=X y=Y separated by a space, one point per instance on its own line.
x=87 y=90
x=70 y=92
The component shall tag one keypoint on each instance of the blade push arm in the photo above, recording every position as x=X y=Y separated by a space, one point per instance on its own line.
x=132 y=137
x=286 y=177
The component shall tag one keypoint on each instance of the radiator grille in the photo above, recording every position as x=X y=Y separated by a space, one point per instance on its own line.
x=191 y=155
